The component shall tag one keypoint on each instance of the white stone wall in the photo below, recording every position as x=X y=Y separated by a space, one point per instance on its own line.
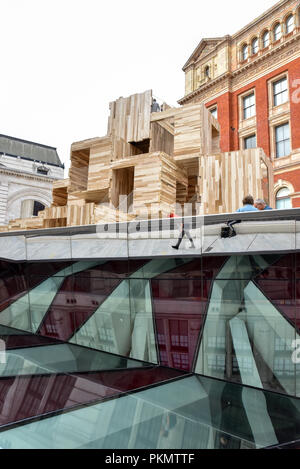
x=19 y=181
x=3 y=199
x=30 y=166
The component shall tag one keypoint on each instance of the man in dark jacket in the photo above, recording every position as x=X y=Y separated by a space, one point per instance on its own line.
x=155 y=106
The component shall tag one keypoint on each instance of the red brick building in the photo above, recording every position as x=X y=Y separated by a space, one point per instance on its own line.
x=251 y=82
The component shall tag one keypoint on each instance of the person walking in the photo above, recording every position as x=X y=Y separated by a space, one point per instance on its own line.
x=185 y=231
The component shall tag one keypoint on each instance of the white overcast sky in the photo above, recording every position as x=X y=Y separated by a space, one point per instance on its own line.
x=63 y=61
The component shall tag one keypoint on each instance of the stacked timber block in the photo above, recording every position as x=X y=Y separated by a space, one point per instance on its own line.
x=196 y=133
x=60 y=193
x=101 y=154
x=130 y=117
x=24 y=224
x=80 y=215
x=106 y=213
x=226 y=178
x=149 y=162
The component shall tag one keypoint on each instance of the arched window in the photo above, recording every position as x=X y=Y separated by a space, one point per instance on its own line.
x=283 y=199
x=207 y=71
x=266 y=39
x=277 y=32
x=289 y=24
x=37 y=207
x=31 y=208
x=254 y=46
x=245 y=52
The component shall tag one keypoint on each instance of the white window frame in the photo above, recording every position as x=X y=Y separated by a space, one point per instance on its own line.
x=245 y=52
x=263 y=39
x=244 y=98
x=248 y=137
x=289 y=27
x=274 y=83
x=277 y=34
x=256 y=49
x=287 y=196
x=285 y=140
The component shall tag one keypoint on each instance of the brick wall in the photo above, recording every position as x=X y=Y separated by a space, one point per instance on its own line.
x=229 y=118
x=294 y=178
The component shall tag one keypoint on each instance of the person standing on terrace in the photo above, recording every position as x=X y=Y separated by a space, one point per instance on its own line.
x=261 y=205
x=155 y=107
x=248 y=205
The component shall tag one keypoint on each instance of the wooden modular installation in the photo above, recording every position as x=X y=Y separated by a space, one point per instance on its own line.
x=153 y=161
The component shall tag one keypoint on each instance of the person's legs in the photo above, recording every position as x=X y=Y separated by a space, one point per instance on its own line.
x=187 y=232
x=179 y=240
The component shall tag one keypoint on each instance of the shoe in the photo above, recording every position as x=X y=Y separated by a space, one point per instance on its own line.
x=175 y=247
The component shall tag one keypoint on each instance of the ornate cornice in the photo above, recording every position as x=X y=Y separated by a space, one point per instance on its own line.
x=267 y=54
x=207 y=86
x=253 y=68
x=21 y=174
x=269 y=13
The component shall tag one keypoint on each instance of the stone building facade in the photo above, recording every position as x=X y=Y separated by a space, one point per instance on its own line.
x=27 y=173
x=251 y=82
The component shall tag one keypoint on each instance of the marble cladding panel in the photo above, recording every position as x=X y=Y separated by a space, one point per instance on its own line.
x=13 y=248
x=48 y=248
x=145 y=241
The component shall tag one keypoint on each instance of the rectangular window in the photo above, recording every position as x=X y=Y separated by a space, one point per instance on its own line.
x=249 y=106
x=44 y=171
x=283 y=140
x=250 y=142
x=280 y=91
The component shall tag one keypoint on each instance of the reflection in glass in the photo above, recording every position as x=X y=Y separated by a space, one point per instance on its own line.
x=77 y=299
x=61 y=358
x=178 y=306
x=246 y=338
x=31 y=396
x=123 y=323
x=189 y=413
x=28 y=312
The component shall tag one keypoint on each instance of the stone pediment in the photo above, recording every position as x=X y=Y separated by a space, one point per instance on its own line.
x=207 y=49
x=203 y=49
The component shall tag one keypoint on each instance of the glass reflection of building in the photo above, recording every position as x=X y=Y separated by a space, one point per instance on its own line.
x=233 y=318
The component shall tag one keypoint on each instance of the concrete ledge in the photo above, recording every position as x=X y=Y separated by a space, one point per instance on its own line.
x=266 y=232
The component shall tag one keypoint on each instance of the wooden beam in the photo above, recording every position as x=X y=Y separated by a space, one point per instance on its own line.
x=159 y=116
x=167 y=126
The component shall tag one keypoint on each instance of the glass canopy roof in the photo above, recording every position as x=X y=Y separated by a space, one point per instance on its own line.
x=57 y=395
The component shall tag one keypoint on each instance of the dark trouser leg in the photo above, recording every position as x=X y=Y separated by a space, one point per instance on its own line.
x=180 y=239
